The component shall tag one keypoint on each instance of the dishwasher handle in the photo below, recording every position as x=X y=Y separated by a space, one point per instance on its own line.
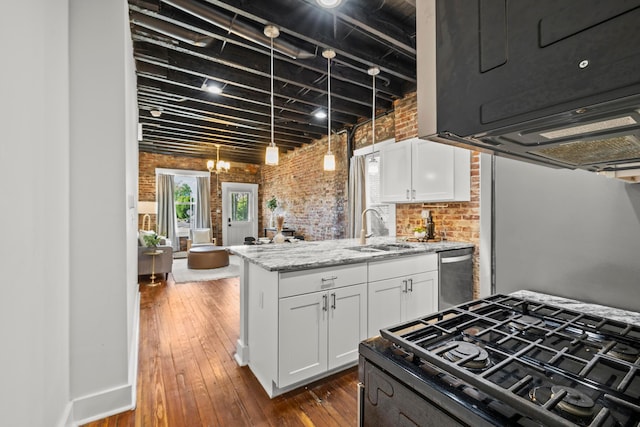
x=453 y=259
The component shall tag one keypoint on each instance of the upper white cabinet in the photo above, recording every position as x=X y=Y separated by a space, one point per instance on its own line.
x=416 y=170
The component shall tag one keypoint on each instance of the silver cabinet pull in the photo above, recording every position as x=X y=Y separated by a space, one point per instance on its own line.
x=324 y=302
x=404 y=286
x=413 y=194
x=407 y=194
x=333 y=300
x=410 y=285
x=328 y=279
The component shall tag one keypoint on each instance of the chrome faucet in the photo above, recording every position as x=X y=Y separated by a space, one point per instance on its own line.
x=363 y=236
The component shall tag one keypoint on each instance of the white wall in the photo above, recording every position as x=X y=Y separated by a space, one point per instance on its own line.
x=68 y=164
x=103 y=137
x=568 y=233
x=34 y=254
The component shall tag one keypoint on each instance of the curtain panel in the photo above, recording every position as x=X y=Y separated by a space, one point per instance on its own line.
x=167 y=223
x=203 y=205
x=357 y=195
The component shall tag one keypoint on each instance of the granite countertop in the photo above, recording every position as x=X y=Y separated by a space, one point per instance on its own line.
x=570 y=304
x=304 y=255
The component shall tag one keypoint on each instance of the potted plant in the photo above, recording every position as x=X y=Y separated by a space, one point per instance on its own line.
x=272 y=204
x=151 y=240
x=419 y=232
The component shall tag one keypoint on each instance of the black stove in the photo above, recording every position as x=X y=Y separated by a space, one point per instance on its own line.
x=503 y=360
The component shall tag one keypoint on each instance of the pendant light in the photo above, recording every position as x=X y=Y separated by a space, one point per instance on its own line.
x=271 y=156
x=329 y=158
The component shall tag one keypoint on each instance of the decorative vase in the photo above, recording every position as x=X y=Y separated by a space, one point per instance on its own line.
x=279 y=237
x=272 y=221
x=419 y=234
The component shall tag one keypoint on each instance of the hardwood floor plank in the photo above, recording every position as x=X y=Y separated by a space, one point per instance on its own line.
x=187 y=374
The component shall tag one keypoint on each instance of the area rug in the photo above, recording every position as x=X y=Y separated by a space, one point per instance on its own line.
x=181 y=274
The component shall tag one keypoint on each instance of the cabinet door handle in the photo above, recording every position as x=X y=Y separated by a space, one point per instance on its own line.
x=410 y=285
x=328 y=279
x=413 y=194
x=404 y=286
x=407 y=194
x=333 y=300
x=324 y=302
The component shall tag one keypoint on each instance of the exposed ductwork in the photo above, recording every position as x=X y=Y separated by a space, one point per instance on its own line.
x=241 y=29
x=170 y=30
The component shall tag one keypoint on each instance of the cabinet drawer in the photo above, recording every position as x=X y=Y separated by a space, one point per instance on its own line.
x=397 y=267
x=318 y=279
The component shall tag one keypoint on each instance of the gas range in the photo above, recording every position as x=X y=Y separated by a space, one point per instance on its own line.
x=504 y=360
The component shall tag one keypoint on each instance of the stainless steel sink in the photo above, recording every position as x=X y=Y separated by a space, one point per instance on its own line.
x=380 y=248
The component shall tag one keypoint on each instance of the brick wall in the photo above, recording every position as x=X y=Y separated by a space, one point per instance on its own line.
x=314 y=201
x=239 y=172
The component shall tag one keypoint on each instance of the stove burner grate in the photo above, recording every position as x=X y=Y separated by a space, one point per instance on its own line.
x=571 y=401
x=624 y=352
x=474 y=357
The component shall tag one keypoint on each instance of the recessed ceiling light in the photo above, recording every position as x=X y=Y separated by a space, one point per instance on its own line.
x=320 y=114
x=214 y=89
x=329 y=3
x=156 y=112
x=211 y=87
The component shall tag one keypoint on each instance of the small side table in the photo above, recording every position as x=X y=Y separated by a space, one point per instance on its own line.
x=153 y=254
x=285 y=231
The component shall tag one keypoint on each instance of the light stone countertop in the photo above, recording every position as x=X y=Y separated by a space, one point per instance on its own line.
x=579 y=306
x=305 y=255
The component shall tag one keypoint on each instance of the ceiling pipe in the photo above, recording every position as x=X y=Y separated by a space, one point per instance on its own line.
x=163 y=27
x=239 y=28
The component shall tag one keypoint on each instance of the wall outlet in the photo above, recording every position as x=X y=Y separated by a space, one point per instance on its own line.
x=425 y=214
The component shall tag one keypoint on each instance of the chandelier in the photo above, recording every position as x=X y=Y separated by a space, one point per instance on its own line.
x=220 y=165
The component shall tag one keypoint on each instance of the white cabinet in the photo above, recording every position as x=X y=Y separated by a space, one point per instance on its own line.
x=320 y=331
x=424 y=171
x=401 y=289
x=304 y=324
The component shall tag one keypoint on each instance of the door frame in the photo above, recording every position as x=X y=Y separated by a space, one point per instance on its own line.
x=253 y=205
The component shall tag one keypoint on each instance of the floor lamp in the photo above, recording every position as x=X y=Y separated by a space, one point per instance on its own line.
x=147 y=209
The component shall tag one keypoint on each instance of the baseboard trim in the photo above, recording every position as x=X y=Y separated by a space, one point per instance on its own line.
x=118 y=399
x=66 y=420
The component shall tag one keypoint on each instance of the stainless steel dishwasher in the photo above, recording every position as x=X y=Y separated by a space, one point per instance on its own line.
x=455 y=277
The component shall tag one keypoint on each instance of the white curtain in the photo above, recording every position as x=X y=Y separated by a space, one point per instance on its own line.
x=203 y=206
x=167 y=223
x=357 y=196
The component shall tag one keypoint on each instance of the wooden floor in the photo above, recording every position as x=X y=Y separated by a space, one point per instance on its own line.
x=187 y=375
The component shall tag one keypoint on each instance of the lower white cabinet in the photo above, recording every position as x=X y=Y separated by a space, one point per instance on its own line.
x=320 y=331
x=400 y=290
x=306 y=324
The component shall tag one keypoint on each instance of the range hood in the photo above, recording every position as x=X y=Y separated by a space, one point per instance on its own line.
x=547 y=82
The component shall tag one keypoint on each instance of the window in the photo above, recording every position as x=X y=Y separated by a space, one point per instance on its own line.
x=184 y=196
x=239 y=206
x=386 y=227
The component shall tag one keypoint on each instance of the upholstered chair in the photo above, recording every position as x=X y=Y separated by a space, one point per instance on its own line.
x=200 y=237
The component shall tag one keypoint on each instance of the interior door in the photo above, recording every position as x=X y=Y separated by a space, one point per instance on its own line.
x=239 y=212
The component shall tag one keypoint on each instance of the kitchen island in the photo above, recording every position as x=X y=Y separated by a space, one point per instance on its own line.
x=305 y=306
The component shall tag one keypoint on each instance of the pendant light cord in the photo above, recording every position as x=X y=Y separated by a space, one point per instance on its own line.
x=329 y=101
x=272 y=95
x=373 y=72
x=373 y=118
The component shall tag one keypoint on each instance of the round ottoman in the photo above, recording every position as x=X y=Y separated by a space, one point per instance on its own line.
x=210 y=256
